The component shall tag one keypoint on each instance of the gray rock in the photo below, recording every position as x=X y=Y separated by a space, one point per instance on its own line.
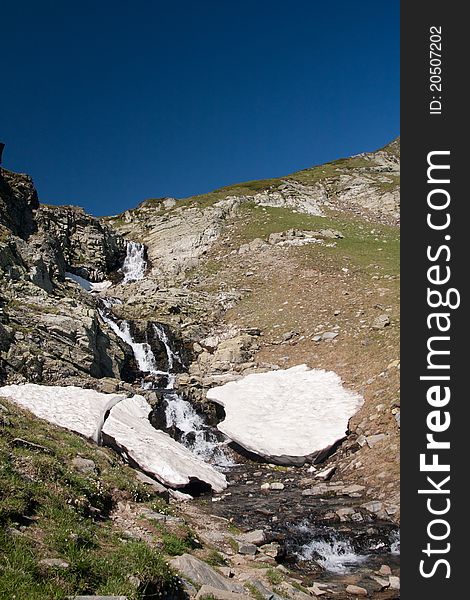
x=373 y=506
x=383 y=583
x=201 y=573
x=54 y=563
x=375 y=439
x=208 y=591
x=256 y=537
x=394 y=582
x=277 y=486
x=84 y=465
x=248 y=549
x=265 y=592
x=271 y=549
x=345 y=514
x=156 y=486
x=380 y=322
x=329 y=335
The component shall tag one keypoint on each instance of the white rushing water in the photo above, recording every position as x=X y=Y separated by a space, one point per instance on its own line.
x=179 y=413
x=134 y=264
x=334 y=555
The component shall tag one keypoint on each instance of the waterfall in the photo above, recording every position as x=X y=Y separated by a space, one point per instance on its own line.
x=134 y=264
x=179 y=413
x=333 y=554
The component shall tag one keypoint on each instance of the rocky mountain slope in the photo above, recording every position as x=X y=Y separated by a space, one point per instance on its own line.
x=251 y=278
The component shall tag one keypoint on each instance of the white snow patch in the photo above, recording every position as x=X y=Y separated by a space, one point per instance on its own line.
x=154 y=451
x=74 y=408
x=88 y=286
x=286 y=413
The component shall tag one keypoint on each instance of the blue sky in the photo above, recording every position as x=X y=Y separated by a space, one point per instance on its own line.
x=108 y=103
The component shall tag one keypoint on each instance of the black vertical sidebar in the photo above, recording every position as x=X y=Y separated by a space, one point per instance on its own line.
x=434 y=541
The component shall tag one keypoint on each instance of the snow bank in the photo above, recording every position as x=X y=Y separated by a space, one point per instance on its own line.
x=88 y=286
x=156 y=453
x=286 y=415
x=74 y=408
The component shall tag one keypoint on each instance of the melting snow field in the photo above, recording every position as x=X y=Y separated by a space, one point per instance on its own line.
x=88 y=286
x=154 y=451
x=123 y=422
x=74 y=408
x=286 y=414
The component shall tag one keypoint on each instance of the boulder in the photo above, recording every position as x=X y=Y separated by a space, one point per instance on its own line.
x=201 y=573
x=209 y=591
x=355 y=590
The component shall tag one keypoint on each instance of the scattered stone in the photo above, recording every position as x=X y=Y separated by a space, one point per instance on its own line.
x=256 y=537
x=277 y=486
x=209 y=591
x=381 y=321
x=394 y=582
x=316 y=490
x=265 y=486
x=266 y=593
x=84 y=465
x=383 y=583
x=345 y=514
x=375 y=439
x=272 y=549
x=385 y=570
x=329 y=335
x=316 y=590
x=325 y=474
x=247 y=549
x=201 y=573
x=353 y=489
x=54 y=563
x=373 y=506
x=397 y=418
x=356 y=590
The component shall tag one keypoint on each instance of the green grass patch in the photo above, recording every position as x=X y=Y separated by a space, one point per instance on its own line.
x=49 y=509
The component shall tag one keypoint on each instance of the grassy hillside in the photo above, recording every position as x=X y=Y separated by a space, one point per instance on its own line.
x=50 y=509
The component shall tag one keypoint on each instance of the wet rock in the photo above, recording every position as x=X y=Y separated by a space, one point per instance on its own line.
x=355 y=590
x=201 y=573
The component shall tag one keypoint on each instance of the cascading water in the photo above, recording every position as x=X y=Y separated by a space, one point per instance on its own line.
x=334 y=555
x=179 y=413
x=134 y=264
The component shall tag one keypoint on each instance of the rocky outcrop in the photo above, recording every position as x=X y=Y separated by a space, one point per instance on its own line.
x=51 y=329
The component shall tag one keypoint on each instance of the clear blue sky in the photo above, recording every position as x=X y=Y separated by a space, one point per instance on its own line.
x=106 y=103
